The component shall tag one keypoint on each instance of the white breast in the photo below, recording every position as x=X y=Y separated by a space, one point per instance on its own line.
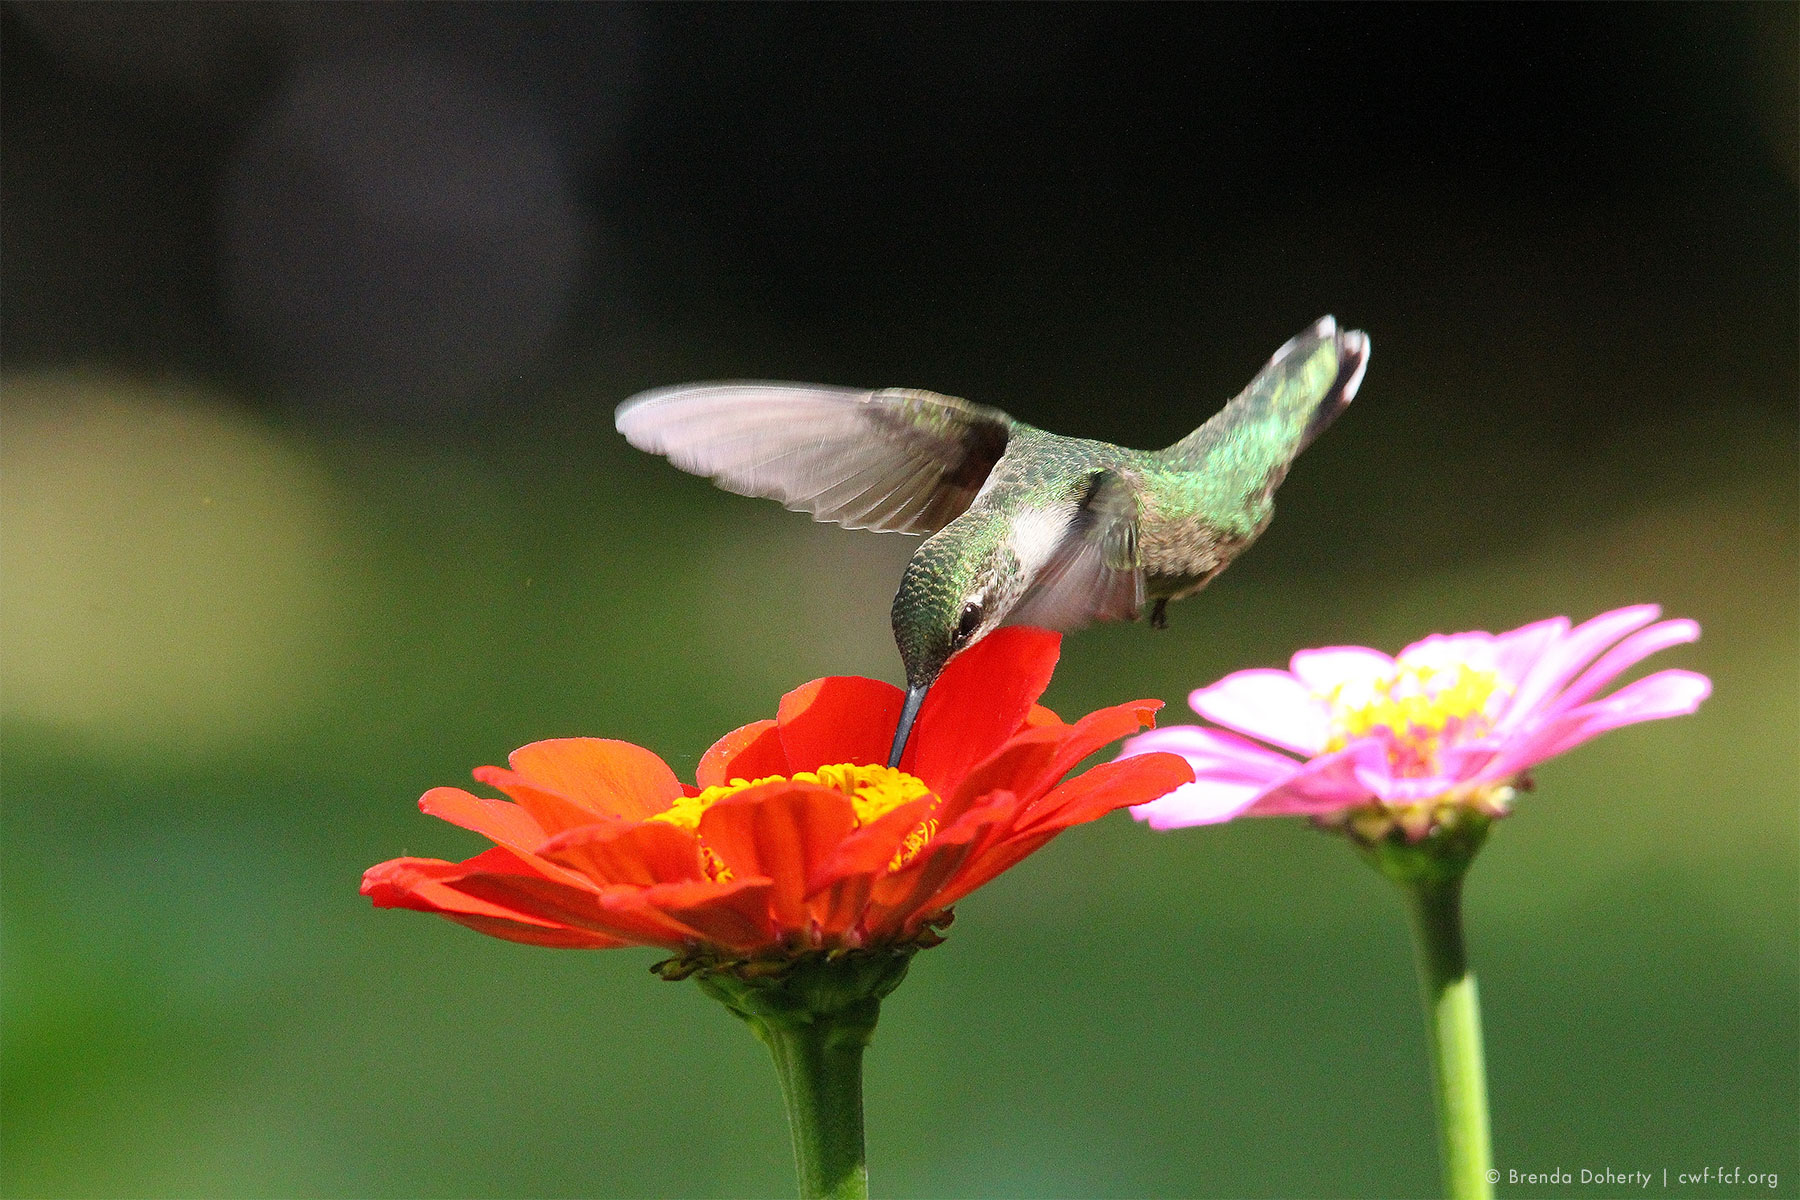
x=1034 y=537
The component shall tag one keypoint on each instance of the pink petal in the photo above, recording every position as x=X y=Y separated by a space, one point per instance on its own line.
x=1373 y=770
x=1457 y=766
x=1472 y=761
x=1229 y=771
x=1664 y=694
x=1623 y=657
x=1324 y=671
x=1326 y=784
x=1408 y=790
x=1271 y=705
x=1517 y=650
x=1211 y=751
x=1203 y=802
x=1559 y=661
x=1476 y=649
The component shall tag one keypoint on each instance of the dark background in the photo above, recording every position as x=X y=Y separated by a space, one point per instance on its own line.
x=314 y=318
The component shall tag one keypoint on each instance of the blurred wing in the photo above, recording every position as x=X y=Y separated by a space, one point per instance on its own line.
x=895 y=461
x=1094 y=573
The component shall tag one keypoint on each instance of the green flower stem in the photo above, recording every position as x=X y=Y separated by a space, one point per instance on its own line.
x=820 y=1065
x=1453 y=1019
x=1430 y=871
x=816 y=1013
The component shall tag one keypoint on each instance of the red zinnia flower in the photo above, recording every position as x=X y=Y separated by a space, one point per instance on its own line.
x=795 y=839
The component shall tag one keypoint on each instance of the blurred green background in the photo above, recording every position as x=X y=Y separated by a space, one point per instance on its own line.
x=314 y=319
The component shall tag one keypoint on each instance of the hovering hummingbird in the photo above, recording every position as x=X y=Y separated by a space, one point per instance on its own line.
x=1025 y=527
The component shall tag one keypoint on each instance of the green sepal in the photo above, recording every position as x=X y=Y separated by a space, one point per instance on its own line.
x=841 y=986
x=1442 y=856
x=817 y=981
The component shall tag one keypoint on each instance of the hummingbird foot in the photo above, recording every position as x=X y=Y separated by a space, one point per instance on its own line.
x=1159 y=614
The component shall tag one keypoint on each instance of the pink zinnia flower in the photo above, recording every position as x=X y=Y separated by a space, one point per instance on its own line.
x=1452 y=723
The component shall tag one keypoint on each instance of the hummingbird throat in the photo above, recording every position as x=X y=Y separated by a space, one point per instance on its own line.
x=873 y=792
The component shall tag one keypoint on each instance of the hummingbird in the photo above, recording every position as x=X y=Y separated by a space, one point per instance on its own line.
x=1021 y=526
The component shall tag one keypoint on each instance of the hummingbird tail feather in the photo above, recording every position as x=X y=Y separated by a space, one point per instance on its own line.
x=1352 y=360
x=1301 y=390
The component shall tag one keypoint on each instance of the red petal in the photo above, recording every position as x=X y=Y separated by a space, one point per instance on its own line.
x=733 y=915
x=615 y=779
x=897 y=900
x=1105 y=725
x=993 y=861
x=420 y=884
x=500 y=822
x=509 y=825
x=579 y=908
x=1020 y=767
x=551 y=810
x=1030 y=826
x=989 y=823
x=1039 y=715
x=647 y=853
x=844 y=719
x=1089 y=734
x=1032 y=762
x=539 y=935
x=981 y=699
x=837 y=909
x=1096 y=792
x=868 y=850
x=782 y=832
x=751 y=752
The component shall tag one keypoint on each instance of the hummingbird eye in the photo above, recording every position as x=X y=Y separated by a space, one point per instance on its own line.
x=968 y=623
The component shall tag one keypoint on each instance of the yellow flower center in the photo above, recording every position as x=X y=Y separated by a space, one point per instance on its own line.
x=1416 y=711
x=873 y=792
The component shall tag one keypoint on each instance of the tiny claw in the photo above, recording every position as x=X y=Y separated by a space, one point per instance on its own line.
x=1159 y=615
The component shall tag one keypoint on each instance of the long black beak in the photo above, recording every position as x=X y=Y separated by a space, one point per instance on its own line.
x=909 y=713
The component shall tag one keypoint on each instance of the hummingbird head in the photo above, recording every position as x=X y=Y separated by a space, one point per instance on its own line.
x=953 y=593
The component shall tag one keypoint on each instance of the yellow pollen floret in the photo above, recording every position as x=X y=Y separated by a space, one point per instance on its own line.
x=873 y=791
x=1419 y=707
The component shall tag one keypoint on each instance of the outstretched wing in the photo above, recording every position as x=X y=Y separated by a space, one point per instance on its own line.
x=1093 y=572
x=896 y=461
